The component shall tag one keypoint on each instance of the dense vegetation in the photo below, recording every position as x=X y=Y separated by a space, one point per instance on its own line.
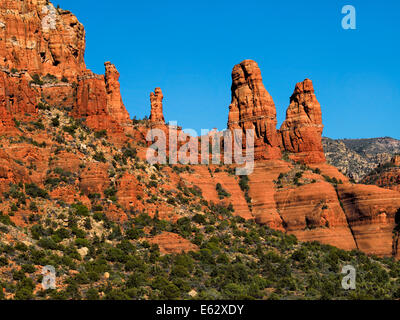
x=235 y=260
x=96 y=258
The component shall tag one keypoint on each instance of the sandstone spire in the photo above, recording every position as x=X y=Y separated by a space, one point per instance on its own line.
x=252 y=107
x=302 y=129
x=115 y=105
x=156 y=99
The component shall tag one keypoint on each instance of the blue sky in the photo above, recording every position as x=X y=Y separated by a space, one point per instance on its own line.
x=188 y=48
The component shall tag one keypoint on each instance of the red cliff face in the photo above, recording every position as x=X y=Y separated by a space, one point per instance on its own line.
x=156 y=99
x=252 y=107
x=302 y=129
x=99 y=101
x=47 y=45
x=41 y=39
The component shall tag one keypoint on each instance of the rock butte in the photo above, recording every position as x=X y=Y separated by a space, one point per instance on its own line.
x=41 y=40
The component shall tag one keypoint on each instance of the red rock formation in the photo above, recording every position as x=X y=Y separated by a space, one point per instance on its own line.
x=302 y=129
x=252 y=107
x=312 y=215
x=67 y=161
x=60 y=95
x=115 y=106
x=396 y=160
x=156 y=99
x=311 y=211
x=99 y=101
x=385 y=176
x=169 y=243
x=128 y=192
x=6 y=121
x=70 y=195
x=41 y=39
x=94 y=178
x=201 y=178
x=370 y=212
x=50 y=43
x=16 y=99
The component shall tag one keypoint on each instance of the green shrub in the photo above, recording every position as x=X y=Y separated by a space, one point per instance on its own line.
x=34 y=191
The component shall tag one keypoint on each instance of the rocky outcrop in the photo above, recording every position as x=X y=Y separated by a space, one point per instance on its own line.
x=99 y=101
x=156 y=98
x=41 y=39
x=169 y=243
x=115 y=106
x=395 y=161
x=17 y=98
x=357 y=158
x=299 y=210
x=129 y=191
x=202 y=179
x=370 y=213
x=252 y=107
x=94 y=179
x=43 y=60
x=302 y=129
x=315 y=216
x=345 y=215
x=386 y=175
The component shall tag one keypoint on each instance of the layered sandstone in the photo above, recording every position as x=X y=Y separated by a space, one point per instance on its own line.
x=252 y=108
x=371 y=213
x=206 y=182
x=41 y=39
x=315 y=216
x=99 y=101
x=17 y=98
x=43 y=61
x=302 y=130
x=94 y=178
x=311 y=211
x=169 y=243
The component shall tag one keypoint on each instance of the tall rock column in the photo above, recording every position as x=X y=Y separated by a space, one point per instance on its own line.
x=99 y=101
x=115 y=105
x=156 y=99
x=302 y=130
x=252 y=107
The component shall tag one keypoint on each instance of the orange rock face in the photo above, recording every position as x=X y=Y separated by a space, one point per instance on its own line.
x=370 y=212
x=169 y=243
x=312 y=212
x=115 y=106
x=99 y=101
x=302 y=129
x=41 y=39
x=202 y=179
x=156 y=99
x=94 y=178
x=252 y=107
x=128 y=192
x=16 y=99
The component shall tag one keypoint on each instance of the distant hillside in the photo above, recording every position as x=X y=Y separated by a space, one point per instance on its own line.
x=358 y=157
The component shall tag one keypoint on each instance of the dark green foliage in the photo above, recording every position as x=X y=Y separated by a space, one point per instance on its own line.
x=100 y=134
x=222 y=193
x=34 y=191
